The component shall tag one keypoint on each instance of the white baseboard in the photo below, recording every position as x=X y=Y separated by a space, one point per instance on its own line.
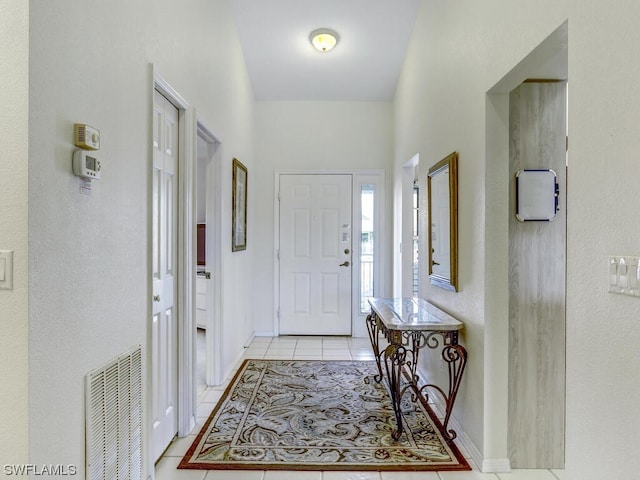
x=468 y=448
x=233 y=366
x=496 y=465
x=463 y=440
x=248 y=341
x=264 y=334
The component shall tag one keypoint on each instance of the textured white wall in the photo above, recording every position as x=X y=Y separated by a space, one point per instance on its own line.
x=201 y=57
x=458 y=52
x=314 y=136
x=603 y=379
x=14 y=115
x=89 y=286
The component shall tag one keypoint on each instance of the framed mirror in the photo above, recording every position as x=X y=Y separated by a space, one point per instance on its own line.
x=442 y=201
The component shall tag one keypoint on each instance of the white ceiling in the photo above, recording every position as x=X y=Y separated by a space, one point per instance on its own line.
x=364 y=66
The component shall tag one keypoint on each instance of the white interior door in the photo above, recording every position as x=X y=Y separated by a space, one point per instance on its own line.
x=315 y=254
x=164 y=319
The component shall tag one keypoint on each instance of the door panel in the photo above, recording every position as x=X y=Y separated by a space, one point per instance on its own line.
x=330 y=295
x=330 y=232
x=315 y=239
x=302 y=293
x=302 y=233
x=164 y=243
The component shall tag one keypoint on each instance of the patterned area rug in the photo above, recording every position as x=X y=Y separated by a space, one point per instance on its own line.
x=316 y=415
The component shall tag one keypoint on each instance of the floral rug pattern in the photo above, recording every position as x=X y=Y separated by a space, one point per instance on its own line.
x=316 y=415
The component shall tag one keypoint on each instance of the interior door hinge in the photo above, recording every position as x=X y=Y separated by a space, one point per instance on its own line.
x=278 y=195
x=278 y=254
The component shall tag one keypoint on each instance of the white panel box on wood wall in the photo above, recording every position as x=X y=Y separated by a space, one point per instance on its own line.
x=624 y=275
x=536 y=195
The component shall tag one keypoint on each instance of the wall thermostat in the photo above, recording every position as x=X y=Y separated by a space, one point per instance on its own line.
x=85 y=136
x=86 y=165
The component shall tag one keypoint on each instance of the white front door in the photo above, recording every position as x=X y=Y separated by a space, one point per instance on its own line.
x=164 y=346
x=315 y=254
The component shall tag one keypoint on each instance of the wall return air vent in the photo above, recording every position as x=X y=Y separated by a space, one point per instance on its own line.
x=114 y=416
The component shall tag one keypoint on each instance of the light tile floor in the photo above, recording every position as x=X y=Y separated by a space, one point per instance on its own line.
x=309 y=348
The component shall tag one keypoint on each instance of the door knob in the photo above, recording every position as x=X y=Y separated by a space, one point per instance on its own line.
x=156 y=298
x=345 y=264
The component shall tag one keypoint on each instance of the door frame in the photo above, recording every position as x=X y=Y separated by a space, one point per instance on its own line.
x=213 y=342
x=359 y=177
x=186 y=341
x=409 y=177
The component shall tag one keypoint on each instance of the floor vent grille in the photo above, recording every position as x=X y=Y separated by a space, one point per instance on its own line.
x=114 y=417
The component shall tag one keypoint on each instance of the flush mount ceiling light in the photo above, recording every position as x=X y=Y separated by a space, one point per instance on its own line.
x=323 y=39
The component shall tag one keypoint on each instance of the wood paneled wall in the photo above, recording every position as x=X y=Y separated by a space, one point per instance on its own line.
x=537 y=267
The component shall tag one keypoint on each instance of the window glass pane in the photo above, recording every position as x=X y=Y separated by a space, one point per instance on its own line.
x=416 y=223
x=367 y=244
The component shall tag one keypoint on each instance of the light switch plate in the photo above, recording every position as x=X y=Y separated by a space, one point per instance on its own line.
x=624 y=275
x=6 y=269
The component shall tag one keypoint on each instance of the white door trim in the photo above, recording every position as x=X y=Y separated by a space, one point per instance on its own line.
x=213 y=373
x=380 y=289
x=187 y=398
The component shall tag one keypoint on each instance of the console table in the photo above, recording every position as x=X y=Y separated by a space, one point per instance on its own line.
x=409 y=325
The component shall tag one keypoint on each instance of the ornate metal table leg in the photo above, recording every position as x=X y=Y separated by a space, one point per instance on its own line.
x=456 y=358
x=373 y=329
x=416 y=341
x=394 y=360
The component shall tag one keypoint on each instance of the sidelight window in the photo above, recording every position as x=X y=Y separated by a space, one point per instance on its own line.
x=367 y=245
x=416 y=232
